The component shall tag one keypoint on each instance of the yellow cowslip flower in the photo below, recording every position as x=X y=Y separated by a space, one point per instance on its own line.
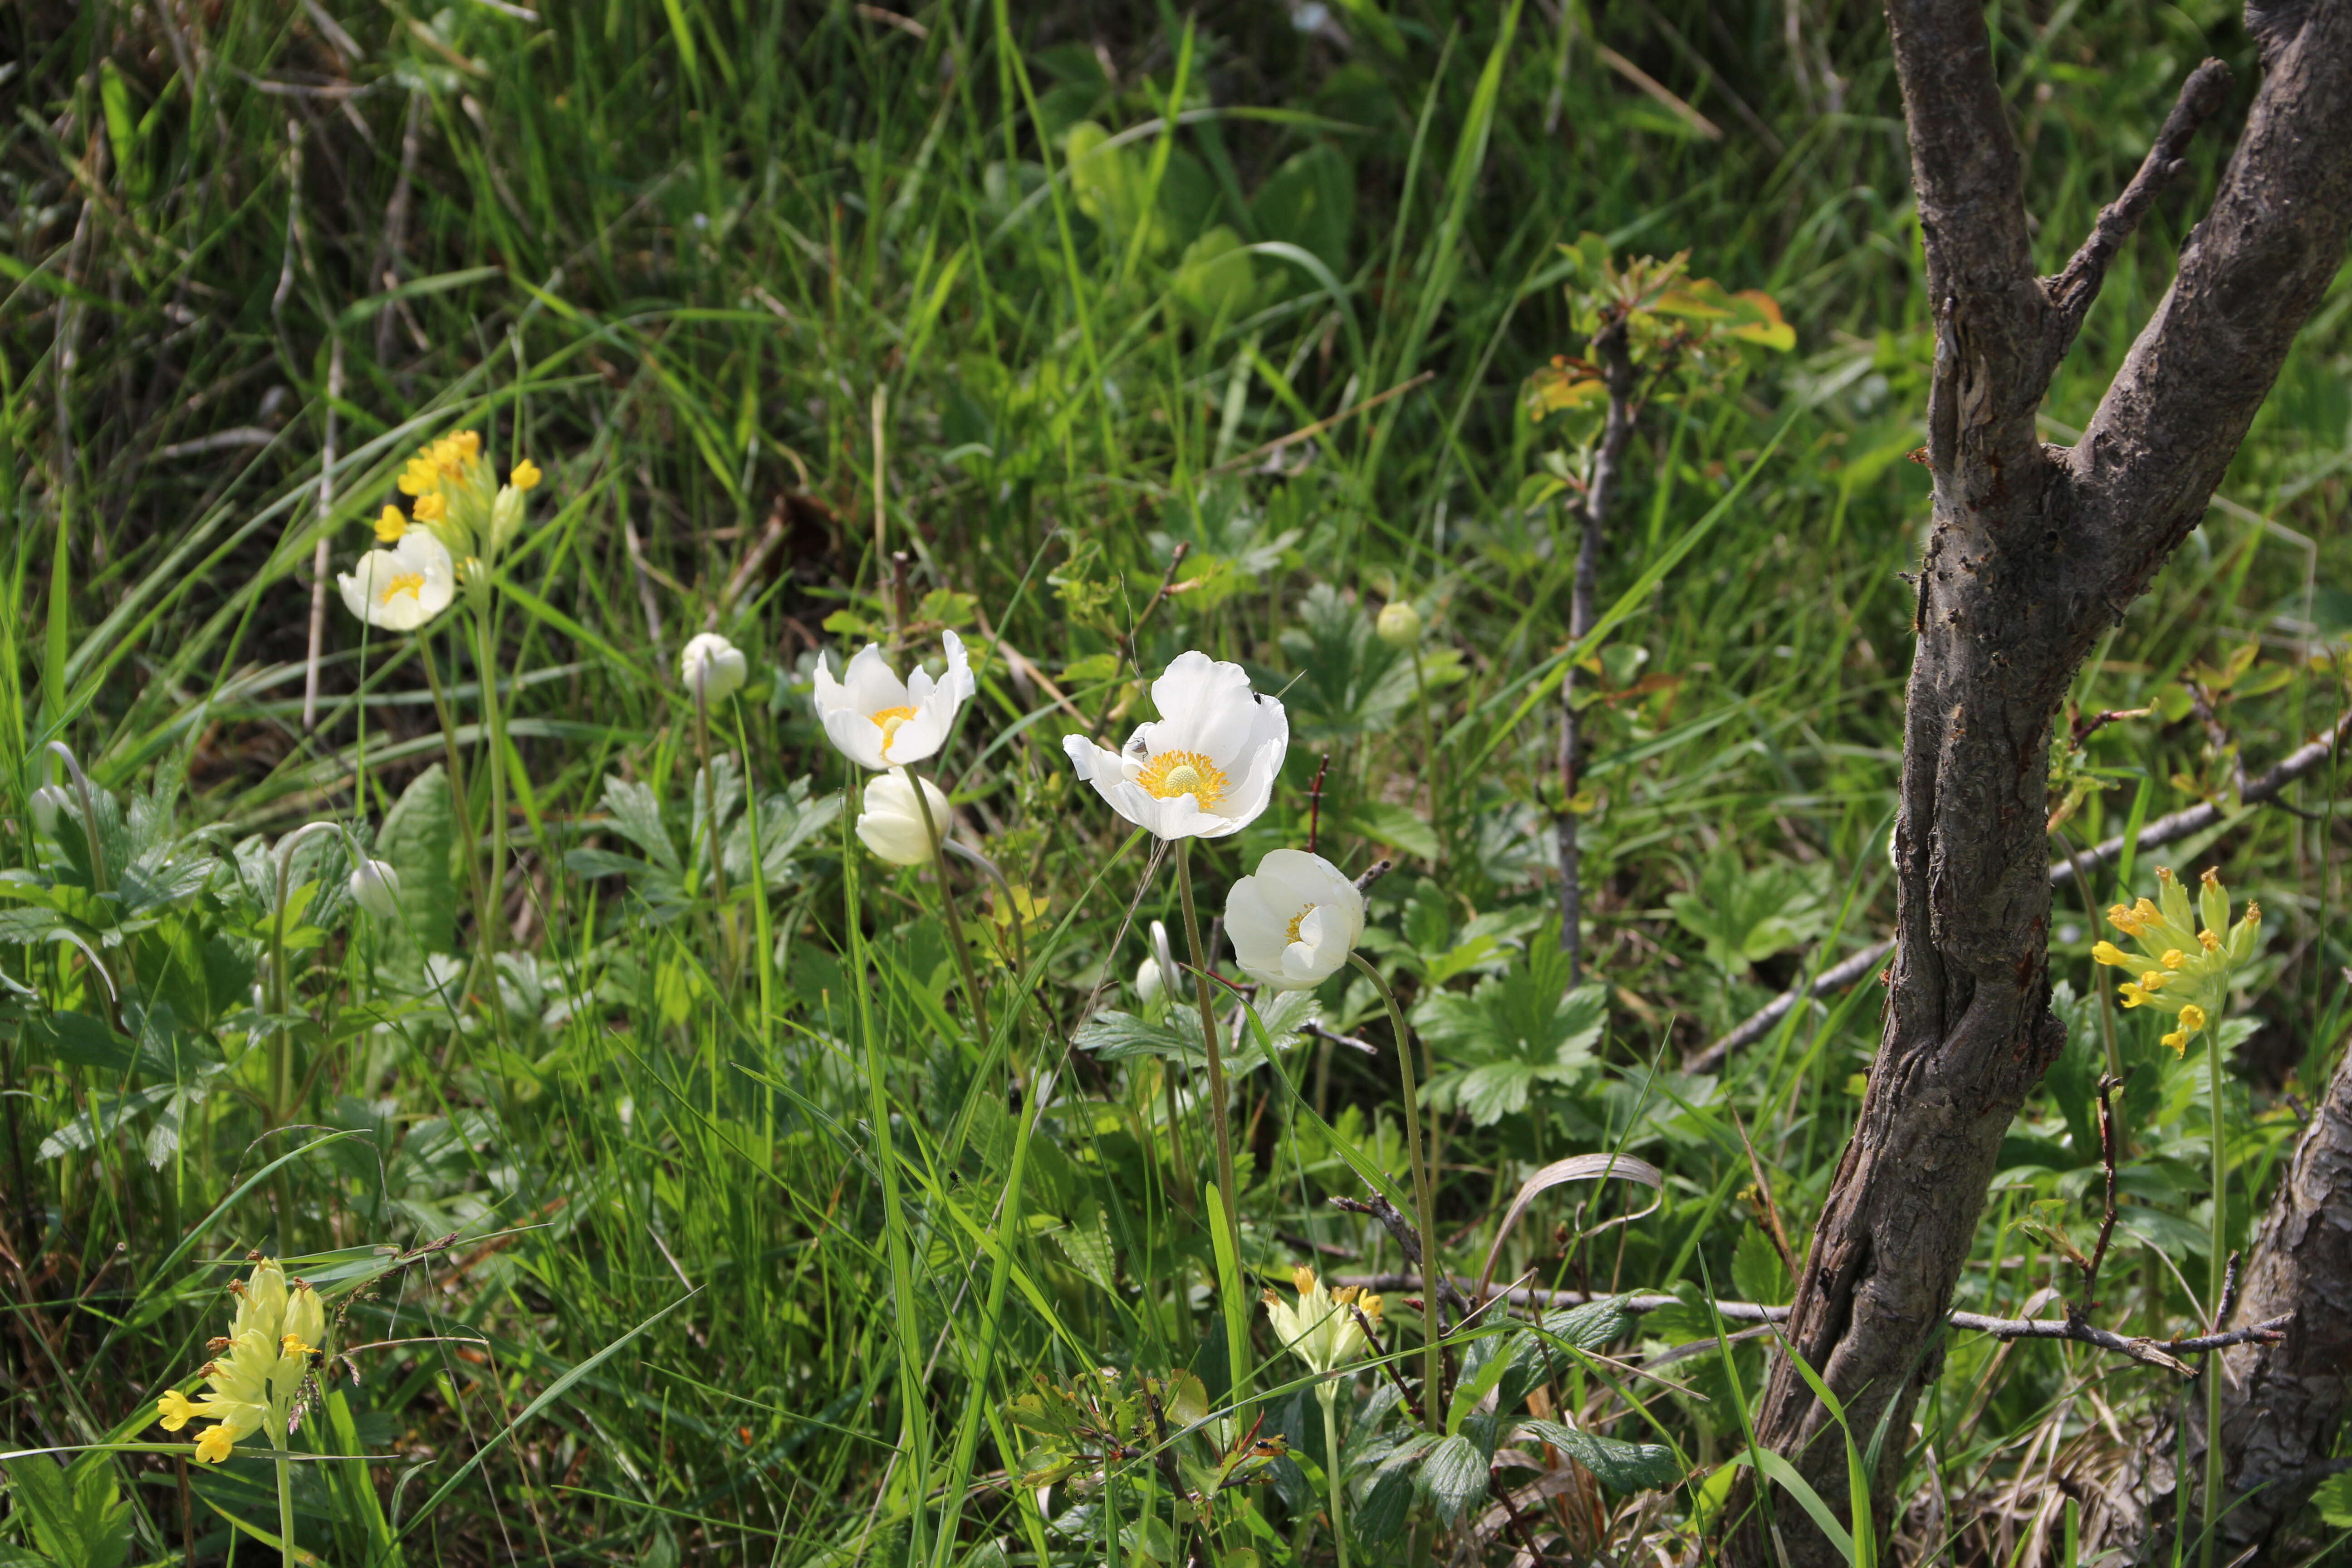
x=2179 y=1041
x=2125 y=920
x=2173 y=958
x=390 y=526
x=2192 y=1018
x=457 y=497
x=2188 y=961
x=2153 y=981
x=526 y=475
x=2132 y=994
x=2208 y=941
x=258 y=1382
x=466 y=444
x=432 y=507
x=1322 y=1328
x=2108 y=953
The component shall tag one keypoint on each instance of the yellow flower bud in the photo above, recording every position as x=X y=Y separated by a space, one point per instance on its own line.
x=2209 y=942
x=2174 y=958
x=2111 y=955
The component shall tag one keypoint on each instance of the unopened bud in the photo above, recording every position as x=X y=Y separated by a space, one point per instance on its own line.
x=375 y=887
x=1399 y=624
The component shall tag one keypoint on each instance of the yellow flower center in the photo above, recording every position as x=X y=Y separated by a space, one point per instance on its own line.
x=888 y=722
x=1172 y=774
x=1295 y=921
x=409 y=583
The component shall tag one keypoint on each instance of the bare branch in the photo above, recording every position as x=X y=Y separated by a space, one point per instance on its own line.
x=2250 y=275
x=2164 y=830
x=2165 y=1353
x=2073 y=290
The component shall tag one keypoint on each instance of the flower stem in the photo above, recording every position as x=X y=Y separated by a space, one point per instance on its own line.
x=281 y=1044
x=1217 y=1119
x=710 y=822
x=494 y=910
x=947 y=902
x=2217 y=1277
x=1432 y=1267
x=287 y=1553
x=1333 y=1472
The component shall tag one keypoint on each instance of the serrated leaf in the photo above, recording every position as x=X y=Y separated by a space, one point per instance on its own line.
x=1620 y=1466
x=636 y=814
x=1453 y=1477
x=419 y=841
x=2333 y=1500
x=1757 y=1271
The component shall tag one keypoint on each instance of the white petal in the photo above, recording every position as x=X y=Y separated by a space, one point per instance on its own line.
x=829 y=694
x=918 y=738
x=871 y=683
x=958 y=684
x=859 y=737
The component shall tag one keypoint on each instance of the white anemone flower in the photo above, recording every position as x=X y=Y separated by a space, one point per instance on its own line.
x=1206 y=767
x=1294 y=920
x=882 y=722
x=401 y=588
x=712 y=667
x=375 y=887
x=888 y=825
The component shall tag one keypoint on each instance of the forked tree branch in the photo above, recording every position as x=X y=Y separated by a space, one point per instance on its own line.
x=2072 y=291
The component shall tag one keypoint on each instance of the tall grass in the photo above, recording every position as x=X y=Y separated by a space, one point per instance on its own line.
x=825 y=322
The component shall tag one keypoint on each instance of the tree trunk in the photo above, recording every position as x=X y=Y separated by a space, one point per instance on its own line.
x=2033 y=552
x=2281 y=1404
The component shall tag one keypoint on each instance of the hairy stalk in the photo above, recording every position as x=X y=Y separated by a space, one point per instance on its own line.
x=710 y=823
x=914 y=1413
x=2217 y=1285
x=494 y=721
x=1432 y=1267
x=948 y=903
x=1333 y=1473
x=1217 y=1119
x=1617 y=362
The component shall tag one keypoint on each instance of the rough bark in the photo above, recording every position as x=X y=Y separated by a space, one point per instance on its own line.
x=2281 y=1404
x=2034 y=550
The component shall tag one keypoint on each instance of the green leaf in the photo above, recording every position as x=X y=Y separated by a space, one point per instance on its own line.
x=1620 y=1466
x=1385 y=822
x=636 y=814
x=1744 y=915
x=1497 y=1046
x=76 y=1513
x=1454 y=1477
x=1310 y=201
x=1214 y=282
x=2333 y=1499
x=1757 y=1271
x=419 y=841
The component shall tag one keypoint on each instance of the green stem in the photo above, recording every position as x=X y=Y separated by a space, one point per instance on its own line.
x=494 y=913
x=725 y=927
x=1432 y=1267
x=1217 y=1119
x=2216 y=1278
x=947 y=902
x=286 y=1554
x=1333 y=1473
x=281 y=1044
x=914 y=1414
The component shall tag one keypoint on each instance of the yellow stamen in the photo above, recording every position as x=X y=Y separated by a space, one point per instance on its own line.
x=1172 y=774
x=890 y=721
x=409 y=583
x=390 y=526
x=1295 y=921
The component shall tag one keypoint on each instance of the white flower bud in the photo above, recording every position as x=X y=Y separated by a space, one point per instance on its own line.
x=1149 y=984
x=1294 y=921
x=1399 y=624
x=52 y=804
x=712 y=667
x=889 y=826
x=375 y=887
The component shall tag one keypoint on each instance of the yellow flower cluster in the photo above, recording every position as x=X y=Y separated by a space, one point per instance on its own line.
x=1322 y=1330
x=2186 y=952
x=256 y=1372
x=454 y=496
